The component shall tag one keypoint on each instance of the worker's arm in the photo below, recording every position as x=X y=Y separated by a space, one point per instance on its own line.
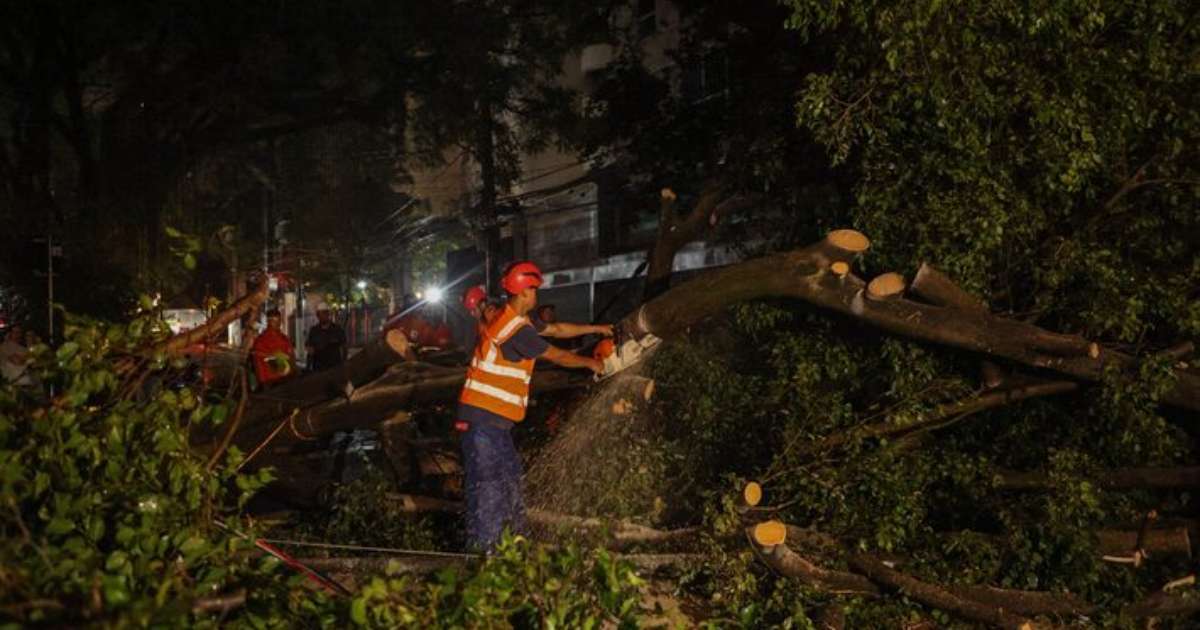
x=558 y=356
x=567 y=330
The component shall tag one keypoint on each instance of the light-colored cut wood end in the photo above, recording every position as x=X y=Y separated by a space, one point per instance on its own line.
x=886 y=286
x=648 y=390
x=752 y=493
x=1094 y=350
x=770 y=533
x=667 y=194
x=623 y=407
x=840 y=269
x=849 y=240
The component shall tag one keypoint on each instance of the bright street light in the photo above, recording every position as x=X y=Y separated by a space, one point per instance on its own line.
x=362 y=284
x=434 y=294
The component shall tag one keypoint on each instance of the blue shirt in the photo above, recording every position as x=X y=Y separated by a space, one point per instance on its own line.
x=524 y=344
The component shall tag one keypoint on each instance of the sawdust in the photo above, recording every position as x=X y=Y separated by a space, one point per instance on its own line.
x=603 y=461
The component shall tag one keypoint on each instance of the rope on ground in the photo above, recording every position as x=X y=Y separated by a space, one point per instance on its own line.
x=296 y=432
x=391 y=550
x=267 y=441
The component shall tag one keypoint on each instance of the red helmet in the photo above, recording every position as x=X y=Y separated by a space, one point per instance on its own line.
x=520 y=276
x=473 y=296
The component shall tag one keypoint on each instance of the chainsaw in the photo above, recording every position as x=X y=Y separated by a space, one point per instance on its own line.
x=622 y=351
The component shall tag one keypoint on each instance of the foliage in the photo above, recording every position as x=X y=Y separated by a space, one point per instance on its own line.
x=361 y=513
x=108 y=517
x=749 y=400
x=520 y=585
x=1043 y=154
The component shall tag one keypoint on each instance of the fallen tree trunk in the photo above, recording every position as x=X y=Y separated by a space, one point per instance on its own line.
x=791 y=564
x=1169 y=541
x=1180 y=478
x=938 y=597
x=1162 y=605
x=938 y=289
x=399 y=389
x=806 y=274
x=368 y=364
x=981 y=603
x=216 y=324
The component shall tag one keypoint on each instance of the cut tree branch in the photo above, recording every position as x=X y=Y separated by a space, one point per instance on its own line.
x=806 y=275
x=217 y=323
x=945 y=414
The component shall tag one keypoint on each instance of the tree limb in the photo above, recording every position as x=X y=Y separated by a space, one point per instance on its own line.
x=805 y=275
x=217 y=323
x=936 y=596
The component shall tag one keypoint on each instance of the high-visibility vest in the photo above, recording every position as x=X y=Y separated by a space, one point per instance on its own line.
x=494 y=383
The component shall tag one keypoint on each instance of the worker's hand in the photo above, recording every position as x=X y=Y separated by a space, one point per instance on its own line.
x=596 y=366
x=603 y=329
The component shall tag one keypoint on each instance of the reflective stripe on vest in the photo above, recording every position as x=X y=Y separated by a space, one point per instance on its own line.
x=493 y=382
x=488 y=364
x=496 y=392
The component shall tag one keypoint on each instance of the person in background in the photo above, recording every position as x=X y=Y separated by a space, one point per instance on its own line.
x=272 y=352
x=478 y=306
x=13 y=355
x=326 y=344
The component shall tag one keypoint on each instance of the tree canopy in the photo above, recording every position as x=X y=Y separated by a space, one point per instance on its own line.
x=1045 y=155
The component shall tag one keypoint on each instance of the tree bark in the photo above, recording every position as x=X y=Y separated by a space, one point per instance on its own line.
x=938 y=289
x=265 y=409
x=675 y=231
x=946 y=414
x=1171 y=541
x=805 y=275
x=971 y=601
x=791 y=564
x=1163 y=605
x=393 y=437
x=216 y=324
x=938 y=597
x=309 y=389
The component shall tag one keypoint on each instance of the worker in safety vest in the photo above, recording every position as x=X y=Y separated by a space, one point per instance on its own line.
x=494 y=398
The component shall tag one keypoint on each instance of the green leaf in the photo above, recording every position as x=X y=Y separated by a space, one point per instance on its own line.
x=115 y=591
x=358 y=611
x=59 y=526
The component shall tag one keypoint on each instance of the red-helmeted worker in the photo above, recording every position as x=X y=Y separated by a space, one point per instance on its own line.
x=475 y=301
x=494 y=398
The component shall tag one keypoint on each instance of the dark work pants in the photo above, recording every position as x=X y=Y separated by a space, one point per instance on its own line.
x=493 y=480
